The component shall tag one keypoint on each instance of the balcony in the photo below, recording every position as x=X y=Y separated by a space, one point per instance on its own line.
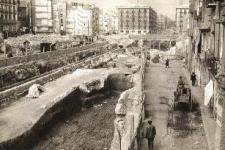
x=205 y=27
x=6 y=21
x=220 y=21
x=211 y=5
x=211 y=64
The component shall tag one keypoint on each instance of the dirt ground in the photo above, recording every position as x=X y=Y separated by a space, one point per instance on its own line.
x=91 y=129
x=185 y=131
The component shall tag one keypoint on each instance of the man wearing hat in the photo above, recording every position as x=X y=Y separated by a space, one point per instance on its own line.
x=150 y=134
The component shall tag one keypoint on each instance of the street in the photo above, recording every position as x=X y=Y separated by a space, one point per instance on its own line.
x=186 y=131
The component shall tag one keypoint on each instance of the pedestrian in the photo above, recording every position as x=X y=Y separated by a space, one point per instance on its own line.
x=150 y=134
x=148 y=58
x=2 y=43
x=167 y=63
x=180 y=85
x=193 y=78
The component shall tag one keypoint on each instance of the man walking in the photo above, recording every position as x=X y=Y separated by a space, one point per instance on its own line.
x=193 y=78
x=150 y=134
x=167 y=63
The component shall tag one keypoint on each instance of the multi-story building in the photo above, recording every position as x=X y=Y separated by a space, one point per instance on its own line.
x=24 y=14
x=109 y=23
x=164 y=22
x=9 y=16
x=59 y=16
x=82 y=19
x=137 y=20
x=206 y=57
x=182 y=18
x=75 y=18
x=62 y=16
x=42 y=16
x=95 y=20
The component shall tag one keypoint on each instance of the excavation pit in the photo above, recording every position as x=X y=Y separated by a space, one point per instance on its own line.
x=64 y=101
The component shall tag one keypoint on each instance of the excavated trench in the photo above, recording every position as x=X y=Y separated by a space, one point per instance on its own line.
x=81 y=121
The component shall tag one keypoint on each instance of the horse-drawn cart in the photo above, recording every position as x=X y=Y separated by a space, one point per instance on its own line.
x=183 y=96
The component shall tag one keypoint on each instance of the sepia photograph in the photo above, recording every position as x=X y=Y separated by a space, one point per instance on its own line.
x=112 y=74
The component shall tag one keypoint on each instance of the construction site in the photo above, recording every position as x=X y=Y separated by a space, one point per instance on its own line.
x=96 y=96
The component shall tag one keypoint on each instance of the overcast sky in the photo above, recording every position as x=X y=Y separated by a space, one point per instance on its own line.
x=166 y=7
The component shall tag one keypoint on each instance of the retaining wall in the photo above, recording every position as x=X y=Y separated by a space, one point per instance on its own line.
x=46 y=55
x=12 y=94
x=130 y=114
x=12 y=75
x=72 y=100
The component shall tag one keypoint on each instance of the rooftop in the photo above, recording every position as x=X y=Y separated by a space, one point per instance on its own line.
x=134 y=6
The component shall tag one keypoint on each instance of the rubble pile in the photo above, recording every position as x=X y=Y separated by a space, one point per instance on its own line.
x=35 y=41
x=35 y=90
x=17 y=74
x=120 y=40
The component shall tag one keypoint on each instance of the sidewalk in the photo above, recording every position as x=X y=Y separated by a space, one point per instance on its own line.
x=212 y=130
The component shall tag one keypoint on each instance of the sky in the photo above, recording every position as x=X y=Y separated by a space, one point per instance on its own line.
x=165 y=7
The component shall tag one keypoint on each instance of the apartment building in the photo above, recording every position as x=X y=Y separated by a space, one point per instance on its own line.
x=182 y=18
x=9 y=16
x=42 y=16
x=137 y=20
x=206 y=58
x=164 y=22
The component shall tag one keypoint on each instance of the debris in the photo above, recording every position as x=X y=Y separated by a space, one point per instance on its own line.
x=35 y=90
x=120 y=109
x=43 y=106
x=57 y=140
x=97 y=106
x=122 y=56
x=197 y=143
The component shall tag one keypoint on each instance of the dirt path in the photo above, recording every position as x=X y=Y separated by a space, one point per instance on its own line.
x=186 y=131
x=91 y=129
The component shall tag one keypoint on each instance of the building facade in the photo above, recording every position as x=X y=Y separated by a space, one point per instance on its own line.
x=182 y=18
x=137 y=20
x=164 y=22
x=24 y=14
x=75 y=18
x=108 y=23
x=9 y=16
x=42 y=16
x=206 y=57
x=59 y=16
x=95 y=20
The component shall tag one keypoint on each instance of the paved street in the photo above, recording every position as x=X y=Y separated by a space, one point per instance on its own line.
x=186 y=132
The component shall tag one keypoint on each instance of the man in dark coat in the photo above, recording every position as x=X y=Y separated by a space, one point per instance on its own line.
x=150 y=134
x=180 y=85
x=167 y=63
x=193 y=78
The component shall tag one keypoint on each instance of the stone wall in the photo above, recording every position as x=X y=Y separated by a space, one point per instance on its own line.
x=130 y=114
x=47 y=55
x=73 y=99
x=11 y=76
x=15 y=92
